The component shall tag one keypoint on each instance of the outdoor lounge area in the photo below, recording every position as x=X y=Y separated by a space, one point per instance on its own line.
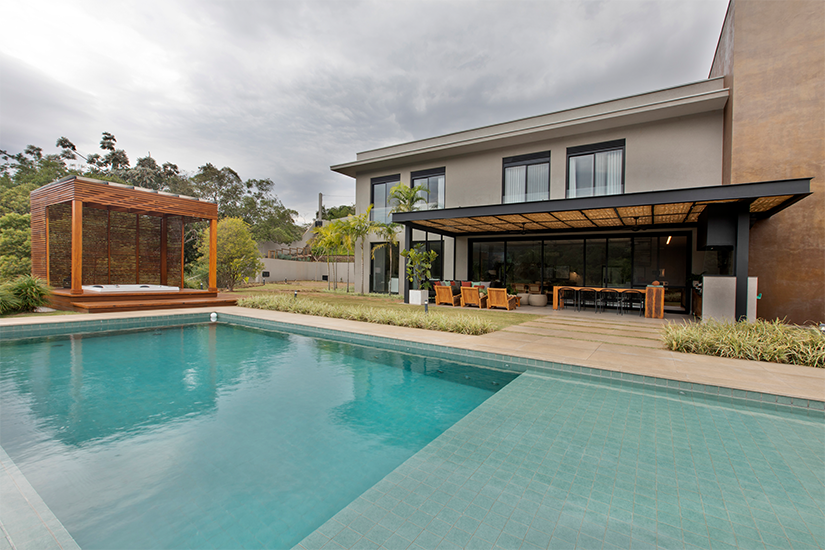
x=112 y=247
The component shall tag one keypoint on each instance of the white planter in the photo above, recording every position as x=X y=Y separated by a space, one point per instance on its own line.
x=418 y=297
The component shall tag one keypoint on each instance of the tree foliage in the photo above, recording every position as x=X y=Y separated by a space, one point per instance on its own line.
x=419 y=264
x=356 y=229
x=252 y=200
x=15 y=246
x=237 y=253
x=407 y=199
x=336 y=212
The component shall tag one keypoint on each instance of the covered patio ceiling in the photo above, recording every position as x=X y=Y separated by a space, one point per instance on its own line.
x=627 y=211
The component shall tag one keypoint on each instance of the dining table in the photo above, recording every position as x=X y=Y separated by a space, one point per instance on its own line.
x=654 y=297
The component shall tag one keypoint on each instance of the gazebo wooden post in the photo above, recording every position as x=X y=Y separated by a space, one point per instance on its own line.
x=182 y=251
x=46 y=225
x=137 y=248
x=77 y=247
x=213 y=255
x=163 y=250
x=108 y=246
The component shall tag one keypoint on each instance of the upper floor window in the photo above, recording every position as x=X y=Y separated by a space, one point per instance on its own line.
x=595 y=169
x=381 y=202
x=433 y=181
x=527 y=178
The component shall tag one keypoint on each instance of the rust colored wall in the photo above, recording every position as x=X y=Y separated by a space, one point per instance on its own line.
x=777 y=131
x=723 y=66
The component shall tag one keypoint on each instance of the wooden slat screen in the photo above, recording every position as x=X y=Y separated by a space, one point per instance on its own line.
x=60 y=243
x=95 y=246
x=110 y=252
x=173 y=254
x=122 y=243
x=149 y=250
x=39 y=250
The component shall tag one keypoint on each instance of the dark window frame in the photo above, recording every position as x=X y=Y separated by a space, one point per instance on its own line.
x=541 y=157
x=592 y=149
x=395 y=178
x=430 y=172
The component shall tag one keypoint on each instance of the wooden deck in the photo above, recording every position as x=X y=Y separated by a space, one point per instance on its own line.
x=89 y=302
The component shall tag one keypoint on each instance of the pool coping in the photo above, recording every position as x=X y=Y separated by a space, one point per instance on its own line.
x=43 y=526
x=460 y=349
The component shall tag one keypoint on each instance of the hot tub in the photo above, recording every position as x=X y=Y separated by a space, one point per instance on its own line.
x=112 y=289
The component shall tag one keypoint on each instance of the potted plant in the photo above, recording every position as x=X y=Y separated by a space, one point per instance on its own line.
x=419 y=263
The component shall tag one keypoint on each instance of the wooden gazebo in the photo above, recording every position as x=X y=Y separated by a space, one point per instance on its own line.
x=102 y=235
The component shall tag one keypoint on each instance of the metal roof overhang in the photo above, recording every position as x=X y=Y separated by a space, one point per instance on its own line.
x=632 y=211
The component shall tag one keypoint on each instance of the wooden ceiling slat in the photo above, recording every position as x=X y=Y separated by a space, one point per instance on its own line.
x=763 y=204
x=515 y=218
x=122 y=197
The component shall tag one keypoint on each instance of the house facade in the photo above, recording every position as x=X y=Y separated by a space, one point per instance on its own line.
x=620 y=193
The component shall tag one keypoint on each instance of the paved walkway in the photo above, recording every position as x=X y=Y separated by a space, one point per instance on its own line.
x=597 y=341
x=606 y=341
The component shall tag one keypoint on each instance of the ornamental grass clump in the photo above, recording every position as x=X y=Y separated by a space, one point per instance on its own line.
x=773 y=341
x=23 y=295
x=412 y=318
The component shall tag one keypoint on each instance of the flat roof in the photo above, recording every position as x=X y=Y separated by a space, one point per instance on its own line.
x=124 y=198
x=646 y=210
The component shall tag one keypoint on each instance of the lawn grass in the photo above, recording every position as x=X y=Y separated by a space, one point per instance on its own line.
x=317 y=291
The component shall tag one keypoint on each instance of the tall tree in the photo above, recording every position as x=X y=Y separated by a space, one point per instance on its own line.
x=329 y=241
x=15 y=246
x=336 y=212
x=358 y=228
x=222 y=186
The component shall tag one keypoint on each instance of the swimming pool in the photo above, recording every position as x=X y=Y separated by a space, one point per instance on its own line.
x=570 y=461
x=217 y=436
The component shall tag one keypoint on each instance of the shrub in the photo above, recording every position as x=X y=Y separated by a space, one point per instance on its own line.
x=411 y=318
x=8 y=301
x=26 y=293
x=776 y=341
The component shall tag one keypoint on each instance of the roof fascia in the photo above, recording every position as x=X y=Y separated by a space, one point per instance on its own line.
x=800 y=187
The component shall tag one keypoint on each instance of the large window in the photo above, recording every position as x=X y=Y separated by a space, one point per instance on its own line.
x=527 y=178
x=382 y=205
x=433 y=182
x=594 y=170
x=384 y=272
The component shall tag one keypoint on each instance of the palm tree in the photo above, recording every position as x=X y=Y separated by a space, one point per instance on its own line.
x=388 y=232
x=327 y=242
x=407 y=198
x=357 y=229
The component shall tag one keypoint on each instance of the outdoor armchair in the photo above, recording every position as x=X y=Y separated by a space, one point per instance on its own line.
x=498 y=297
x=444 y=295
x=470 y=296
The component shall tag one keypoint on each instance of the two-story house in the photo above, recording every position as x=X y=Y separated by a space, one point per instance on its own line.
x=661 y=186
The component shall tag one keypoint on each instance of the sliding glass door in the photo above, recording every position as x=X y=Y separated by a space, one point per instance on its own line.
x=603 y=261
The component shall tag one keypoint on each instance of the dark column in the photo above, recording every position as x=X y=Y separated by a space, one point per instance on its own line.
x=403 y=272
x=743 y=222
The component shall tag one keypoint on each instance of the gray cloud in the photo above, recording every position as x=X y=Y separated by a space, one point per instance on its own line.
x=285 y=89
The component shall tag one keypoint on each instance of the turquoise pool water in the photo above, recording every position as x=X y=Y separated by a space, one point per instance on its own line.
x=564 y=461
x=215 y=436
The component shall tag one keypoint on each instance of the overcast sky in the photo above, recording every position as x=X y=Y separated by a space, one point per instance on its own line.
x=284 y=89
